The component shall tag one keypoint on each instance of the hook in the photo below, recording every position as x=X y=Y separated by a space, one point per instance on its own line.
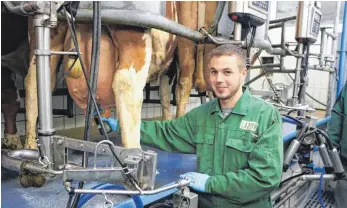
x=107 y=201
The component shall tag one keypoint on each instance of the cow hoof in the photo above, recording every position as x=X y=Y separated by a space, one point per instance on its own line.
x=12 y=142
x=32 y=180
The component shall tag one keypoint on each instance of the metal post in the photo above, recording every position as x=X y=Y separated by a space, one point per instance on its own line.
x=332 y=81
x=343 y=51
x=43 y=72
x=322 y=47
x=297 y=75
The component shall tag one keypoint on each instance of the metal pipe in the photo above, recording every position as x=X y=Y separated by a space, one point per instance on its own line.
x=265 y=66
x=283 y=19
x=217 y=16
x=290 y=194
x=336 y=28
x=24 y=154
x=44 y=93
x=13 y=160
x=278 y=192
x=297 y=76
x=181 y=183
x=137 y=18
x=332 y=81
x=266 y=45
x=25 y=8
x=343 y=51
x=322 y=47
x=277 y=25
x=220 y=40
x=332 y=35
x=63 y=53
x=317 y=177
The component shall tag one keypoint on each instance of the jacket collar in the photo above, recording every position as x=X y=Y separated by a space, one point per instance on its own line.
x=241 y=106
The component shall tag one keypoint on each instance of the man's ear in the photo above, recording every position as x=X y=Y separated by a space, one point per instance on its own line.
x=244 y=74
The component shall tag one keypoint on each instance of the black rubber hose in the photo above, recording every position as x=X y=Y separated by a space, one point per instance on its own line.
x=74 y=38
x=328 y=141
x=94 y=67
x=295 y=176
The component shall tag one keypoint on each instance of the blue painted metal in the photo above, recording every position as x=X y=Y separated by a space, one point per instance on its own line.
x=288 y=120
x=292 y=135
x=343 y=53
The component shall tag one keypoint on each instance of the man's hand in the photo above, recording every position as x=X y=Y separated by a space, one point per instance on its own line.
x=112 y=122
x=197 y=180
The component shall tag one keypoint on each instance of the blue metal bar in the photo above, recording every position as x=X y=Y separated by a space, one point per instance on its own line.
x=288 y=120
x=292 y=135
x=343 y=51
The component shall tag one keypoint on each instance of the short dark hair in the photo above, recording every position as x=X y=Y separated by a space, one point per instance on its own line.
x=229 y=50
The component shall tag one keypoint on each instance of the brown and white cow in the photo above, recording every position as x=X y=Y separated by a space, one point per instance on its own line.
x=128 y=59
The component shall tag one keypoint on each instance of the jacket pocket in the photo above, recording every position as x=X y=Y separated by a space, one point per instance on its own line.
x=237 y=151
x=204 y=152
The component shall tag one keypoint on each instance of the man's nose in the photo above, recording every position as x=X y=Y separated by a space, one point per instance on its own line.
x=219 y=77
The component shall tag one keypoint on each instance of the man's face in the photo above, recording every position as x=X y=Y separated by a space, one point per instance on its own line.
x=226 y=77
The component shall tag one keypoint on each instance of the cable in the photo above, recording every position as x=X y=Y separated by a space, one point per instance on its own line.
x=68 y=205
x=125 y=168
x=307 y=171
x=93 y=79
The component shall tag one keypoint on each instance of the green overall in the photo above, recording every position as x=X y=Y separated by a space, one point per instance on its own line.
x=242 y=152
x=337 y=127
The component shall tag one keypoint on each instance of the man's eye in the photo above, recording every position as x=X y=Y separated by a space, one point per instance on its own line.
x=213 y=72
x=228 y=72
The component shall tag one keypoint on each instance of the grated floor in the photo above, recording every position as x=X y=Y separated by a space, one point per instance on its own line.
x=328 y=200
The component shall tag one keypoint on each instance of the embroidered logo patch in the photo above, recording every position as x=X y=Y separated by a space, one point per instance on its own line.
x=248 y=125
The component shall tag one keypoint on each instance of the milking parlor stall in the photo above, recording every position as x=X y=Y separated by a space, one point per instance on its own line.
x=82 y=80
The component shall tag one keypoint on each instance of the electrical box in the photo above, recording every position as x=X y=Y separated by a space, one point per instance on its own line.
x=247 y=14
x=308 y=22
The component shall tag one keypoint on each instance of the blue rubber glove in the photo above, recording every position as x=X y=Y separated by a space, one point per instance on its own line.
x=197 y=180
x=112 y=122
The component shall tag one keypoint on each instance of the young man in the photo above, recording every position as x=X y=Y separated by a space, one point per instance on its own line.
x=337 y=131
x=237 y=138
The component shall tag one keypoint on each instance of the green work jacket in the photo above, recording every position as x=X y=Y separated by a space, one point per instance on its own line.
x=242 y=152
x=337 y=126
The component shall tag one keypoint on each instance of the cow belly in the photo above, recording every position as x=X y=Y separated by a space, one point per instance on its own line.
x=163 y=48
x=107 y=66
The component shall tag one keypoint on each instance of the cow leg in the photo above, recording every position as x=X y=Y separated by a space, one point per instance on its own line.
x=135 y=51
x=186 y=56
x=165 y=96
x=57 y=42
x=10 y=103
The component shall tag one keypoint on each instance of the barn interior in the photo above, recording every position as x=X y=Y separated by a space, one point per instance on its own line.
x=296 y=55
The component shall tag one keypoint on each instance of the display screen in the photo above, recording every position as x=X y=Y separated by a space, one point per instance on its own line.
x=316 y=24
x=262 y=6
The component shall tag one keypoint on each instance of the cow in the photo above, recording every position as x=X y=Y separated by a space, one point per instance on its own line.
x=129 y=58
x=14 y=48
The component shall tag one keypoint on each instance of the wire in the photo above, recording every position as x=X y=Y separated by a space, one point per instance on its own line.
x=307 y=171
x=72 y=27
x=68 y=205
x=310 y=95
